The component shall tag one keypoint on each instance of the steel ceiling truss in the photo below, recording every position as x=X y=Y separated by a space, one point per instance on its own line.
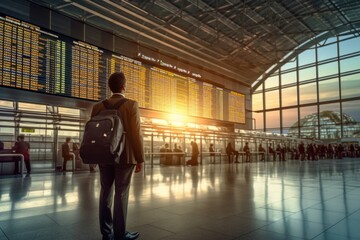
x=245 y=37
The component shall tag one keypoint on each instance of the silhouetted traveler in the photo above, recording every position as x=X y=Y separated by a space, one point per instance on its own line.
x=194 y=154
x=246 y=149
x=23 y=148
x=231 y=151
x=212 y=153
x=262 y=153
x=113 y=226
x=65 y=152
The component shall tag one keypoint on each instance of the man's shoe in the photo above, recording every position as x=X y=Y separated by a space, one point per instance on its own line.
x=131 y=235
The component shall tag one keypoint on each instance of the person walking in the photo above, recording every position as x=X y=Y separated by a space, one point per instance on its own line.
x=113 y=226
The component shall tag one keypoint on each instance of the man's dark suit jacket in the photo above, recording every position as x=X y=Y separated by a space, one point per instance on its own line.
x=129 y=112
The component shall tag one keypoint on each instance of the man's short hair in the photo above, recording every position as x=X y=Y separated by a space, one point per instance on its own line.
x=68 y=139
x=116 y=82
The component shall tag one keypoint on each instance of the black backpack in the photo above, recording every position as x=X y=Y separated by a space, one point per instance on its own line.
x=104 y=136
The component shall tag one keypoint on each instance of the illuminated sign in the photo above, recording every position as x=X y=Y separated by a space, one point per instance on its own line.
x=28 y=130
x=168 y=65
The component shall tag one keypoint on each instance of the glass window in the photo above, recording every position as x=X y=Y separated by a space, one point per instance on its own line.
x=307 y=73
x=308 y=93
x=259 y=88
x=273 y=120
x=308 y=122
x=272 y=82
x=331 y=40
x=350 y=64
x=330 y=121
x=350 y=86
x=352 y=109
x=32 y=107
x=6 y=104
x=328 y=69
x=351 y=118
x=349 y=46
x=257 y=102
x=306 y=111
x=329 y=90
x=333 y=107
x=288 y=78
x=259 y=121
x=290 y=117
x=307 y=57
x=289 y=65
x=327 y=52
x=272 y=99
x=69 y=111
x=289 y=96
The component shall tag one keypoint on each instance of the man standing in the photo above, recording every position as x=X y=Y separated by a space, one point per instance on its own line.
x=246 y=149
x=194 y=154
x=23 y=147
x=65 y=152
x=114 y=226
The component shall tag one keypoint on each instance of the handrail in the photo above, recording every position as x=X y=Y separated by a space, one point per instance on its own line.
x=22 y=163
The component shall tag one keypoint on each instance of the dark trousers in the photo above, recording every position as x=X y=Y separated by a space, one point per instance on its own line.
x=65 y=161
x=114 y=225
x=236 y=153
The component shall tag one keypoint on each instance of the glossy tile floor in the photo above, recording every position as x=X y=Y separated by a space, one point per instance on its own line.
x=271 y=200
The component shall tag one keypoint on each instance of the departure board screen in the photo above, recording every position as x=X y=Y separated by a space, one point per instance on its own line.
x=22 y=52
x=163 y=90
x=182 y=90
x=236 y=107
x=136 y=87
x=39 y=60
x=208 y=101
x=219 y=103
x=87 y=65
x=195 y=104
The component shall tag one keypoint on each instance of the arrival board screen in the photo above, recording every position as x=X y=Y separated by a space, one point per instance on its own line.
x=38 y=60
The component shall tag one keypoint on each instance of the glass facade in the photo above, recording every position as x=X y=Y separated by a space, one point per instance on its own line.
x=317 y=93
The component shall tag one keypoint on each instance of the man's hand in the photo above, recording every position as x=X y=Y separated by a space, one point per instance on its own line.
x=138 y=167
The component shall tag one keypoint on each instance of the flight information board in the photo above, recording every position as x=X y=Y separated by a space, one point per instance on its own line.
x=87 y=65
x=236 y=107
x=21 y=52
x=182 y=90
x=219 y=103
x=207 y=100
x=163 y=93
x=36 y=60
x=39 y=60
x=195 y=103
x=136 y=87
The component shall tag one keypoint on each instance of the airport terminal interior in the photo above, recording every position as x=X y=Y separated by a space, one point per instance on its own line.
x=279 y=77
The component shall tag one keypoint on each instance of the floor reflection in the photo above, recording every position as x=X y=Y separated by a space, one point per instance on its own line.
x=280 y=200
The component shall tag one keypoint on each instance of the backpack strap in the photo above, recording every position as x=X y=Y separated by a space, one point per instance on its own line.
x=107 y=104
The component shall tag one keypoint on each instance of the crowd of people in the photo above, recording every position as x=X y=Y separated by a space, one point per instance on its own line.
x=309 y=151
x=313 y=151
